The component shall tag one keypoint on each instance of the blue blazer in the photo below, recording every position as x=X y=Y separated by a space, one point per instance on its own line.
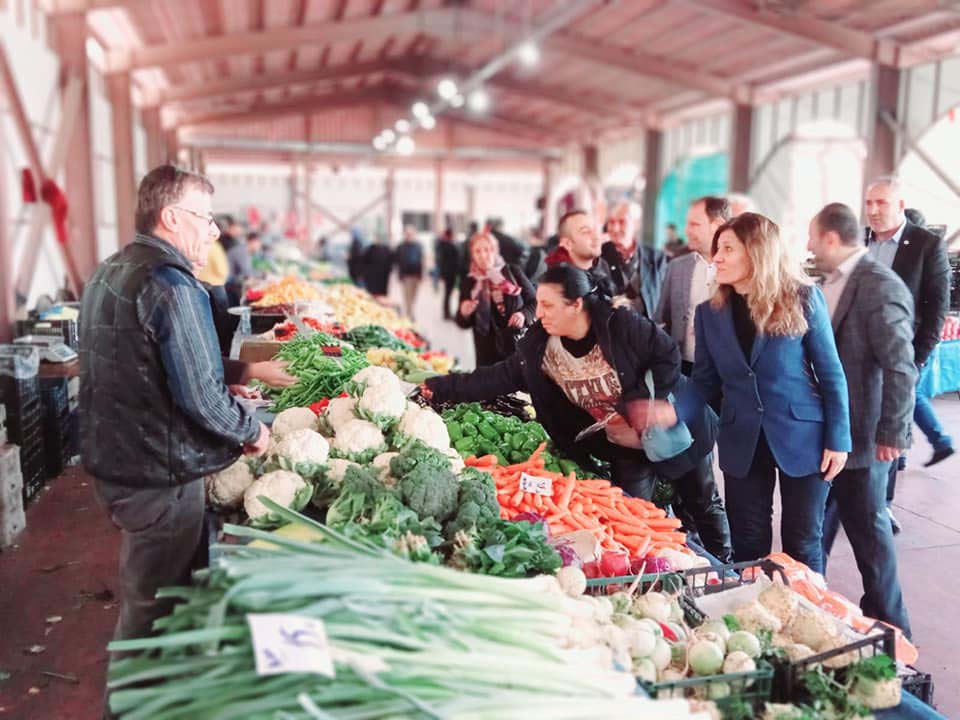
x=791 y=387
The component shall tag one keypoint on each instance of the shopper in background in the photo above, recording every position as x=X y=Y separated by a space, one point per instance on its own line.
x=496 y=300
x=216 y=271
x=765 y=339
x=580 y=244
x=355 y=256
x=637 y=272
x=155 y=413
x=675 y=246
x=409 y=261
x=871 y=312
x=447 y=256
x=376 y=266
x=919 y=257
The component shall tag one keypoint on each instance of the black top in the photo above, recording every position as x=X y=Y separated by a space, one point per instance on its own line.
x=743 y=323
x=580 y=348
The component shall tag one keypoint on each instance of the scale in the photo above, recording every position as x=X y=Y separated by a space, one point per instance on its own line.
x=51 y=349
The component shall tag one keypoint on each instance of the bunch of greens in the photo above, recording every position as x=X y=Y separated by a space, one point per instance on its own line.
x=507 y=549
x=364 y=337
x=322 y=366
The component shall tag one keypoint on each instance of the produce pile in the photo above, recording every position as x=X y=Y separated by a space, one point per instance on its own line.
x=285 y=292
x=353 y=307
x=322 y=366
x=411 y=367
x=405 y=640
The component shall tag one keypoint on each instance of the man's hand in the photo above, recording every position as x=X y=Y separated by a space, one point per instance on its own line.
x=426 y=392
x=467 y=307
x=832 y=464
x=262 y=443
x=886 y=453
x=273 y=373
x=641 y=416
x=516 y=320
x=245 y=392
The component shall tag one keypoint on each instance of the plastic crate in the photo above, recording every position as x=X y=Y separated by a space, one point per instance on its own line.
x=54 y=395
x=919 y=684
x=66 y=329
x=699 y=581
x=33 y=468
x=26 y=429
x=754 y=688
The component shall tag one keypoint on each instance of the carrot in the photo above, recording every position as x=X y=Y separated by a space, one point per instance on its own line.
x=663 y=523
x=517 y=498
x=538 y=501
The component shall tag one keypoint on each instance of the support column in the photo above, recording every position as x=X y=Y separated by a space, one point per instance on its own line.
x=156 y=143
x=70 y=36
x=7 y=300
x=118 y=87
x=389 y=205
x=652 y=173
x=548 y=213
x=172 y=146
x=438 y=215
x=309 y=240
x=471 y=191
x=883 y=150
x=741 y=149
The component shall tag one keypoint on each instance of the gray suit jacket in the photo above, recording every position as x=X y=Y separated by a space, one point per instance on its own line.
x=673 y=310
x=873 y=327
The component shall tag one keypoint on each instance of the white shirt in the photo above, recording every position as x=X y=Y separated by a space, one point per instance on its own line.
x=884 y=252
x=835 y=282
x=702 y=285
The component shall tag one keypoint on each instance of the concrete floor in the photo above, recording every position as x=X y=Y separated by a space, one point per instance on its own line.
x=65 y=567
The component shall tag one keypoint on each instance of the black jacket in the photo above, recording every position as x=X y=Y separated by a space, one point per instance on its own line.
x=448 y=258
x=640 y=278
x=376 y=266
x=409 y=259
x=630 y=343
x=494 y=340
x=921 y=262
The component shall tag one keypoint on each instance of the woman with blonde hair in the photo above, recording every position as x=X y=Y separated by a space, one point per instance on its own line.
x=496 y=300
x=765 y=339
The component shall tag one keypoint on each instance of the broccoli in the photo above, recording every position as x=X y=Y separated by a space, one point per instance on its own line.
x=478 y=503
x=430 y=492
x=360 y=494
x=415 y=455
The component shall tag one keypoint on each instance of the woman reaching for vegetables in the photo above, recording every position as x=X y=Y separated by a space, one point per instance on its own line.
x=496 y=300
x=583 y=363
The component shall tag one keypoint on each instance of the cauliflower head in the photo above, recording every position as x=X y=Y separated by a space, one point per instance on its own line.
x=425 y=425
x=358 y=440
x=339 y=412
x=283 y=487
x=337 y=468
x=382 y=404
x=381 y=463
x=372 y=376
x=226 y=488
x=812 y=628
x=297 y=418
x=302 y=451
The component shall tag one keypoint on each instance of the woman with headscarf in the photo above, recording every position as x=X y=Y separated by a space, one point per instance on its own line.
x=496 y=300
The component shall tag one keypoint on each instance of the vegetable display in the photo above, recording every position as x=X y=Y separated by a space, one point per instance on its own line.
x=364 y=337
x=410 y=366
x=322 y=367
x=288 y=290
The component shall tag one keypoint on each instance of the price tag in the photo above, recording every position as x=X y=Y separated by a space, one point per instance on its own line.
x=536 y=485
x=285 y=643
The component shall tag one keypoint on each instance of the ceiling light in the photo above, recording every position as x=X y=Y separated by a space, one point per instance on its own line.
x=379 y=143
x=405 y=145
x=388 y=135
x=446 y=88
x=428 y=122
x=420 y=109
x=456 y=101
x=402 y=126
x=479 y=101
x=529 y=53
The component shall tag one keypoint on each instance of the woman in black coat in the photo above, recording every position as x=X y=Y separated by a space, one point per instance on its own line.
x=377 y=265
x=496 y=300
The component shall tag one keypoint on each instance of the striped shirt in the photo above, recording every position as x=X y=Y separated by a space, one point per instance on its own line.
x=174 y=310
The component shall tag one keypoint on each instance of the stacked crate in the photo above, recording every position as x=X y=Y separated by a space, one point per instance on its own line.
x=12 y=519
x=20 y=394
x=59 y=426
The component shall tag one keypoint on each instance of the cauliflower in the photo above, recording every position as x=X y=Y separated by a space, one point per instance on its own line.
x=297 y=418
x=457 y=465
x=382 y=404
x=337 y=468
x=225 y=488
x=797 y=652
x=381 y=463
x=358 y=440
x=781 y=601
x=372 y=376
x=422 y=424
x=339 y=412
x=812 y=628
x=283 y=487
x=754 y=617
x=302 y=451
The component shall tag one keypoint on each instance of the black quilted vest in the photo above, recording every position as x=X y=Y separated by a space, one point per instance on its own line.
x=131 y=432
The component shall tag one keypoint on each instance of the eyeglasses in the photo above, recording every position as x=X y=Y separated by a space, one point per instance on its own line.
x=208 y=217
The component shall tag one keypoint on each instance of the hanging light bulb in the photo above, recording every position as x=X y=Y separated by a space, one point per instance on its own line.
x=380 y=143
x=388 y=135
x=529 y=53
x=428 y=122
x=456 y=101
x=405 y=145
x=479 y=101
x=420 y=109
x=446 y=88
x=402 y=126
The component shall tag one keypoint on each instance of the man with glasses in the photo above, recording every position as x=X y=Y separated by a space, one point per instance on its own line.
x=156 y=415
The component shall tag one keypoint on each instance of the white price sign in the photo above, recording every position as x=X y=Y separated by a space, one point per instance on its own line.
x=536 y=485
x=285 y=643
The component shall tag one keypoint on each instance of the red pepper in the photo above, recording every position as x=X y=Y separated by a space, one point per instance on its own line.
x=319 y=406
x=668 y=634
x=254 y=295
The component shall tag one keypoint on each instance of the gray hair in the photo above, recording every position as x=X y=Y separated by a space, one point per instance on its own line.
x=891 y=181
x=162 y=187
x=633 y=209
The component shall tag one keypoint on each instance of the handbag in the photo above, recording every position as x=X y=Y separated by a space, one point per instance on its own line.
x=661 y=443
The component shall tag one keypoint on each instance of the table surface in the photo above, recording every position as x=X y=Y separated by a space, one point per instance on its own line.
x=54 y=370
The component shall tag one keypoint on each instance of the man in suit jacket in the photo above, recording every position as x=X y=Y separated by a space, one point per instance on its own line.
x=919 y=257
x=872 y=318
x=635 y=271
x=688 y=281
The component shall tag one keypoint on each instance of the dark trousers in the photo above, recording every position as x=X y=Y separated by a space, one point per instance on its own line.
x=858 y=500
x=701 y=510
x=634 y=475
x=162 y=529
x=750 y=510
x=449 y=284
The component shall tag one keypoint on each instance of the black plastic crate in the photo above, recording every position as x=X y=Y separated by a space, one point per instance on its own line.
x=54 y=395
x=19 y=394
x=753 y=688
x=25 y=429
x=68 y=330
x=33 y=469
x=919 y=684
x=698 y=581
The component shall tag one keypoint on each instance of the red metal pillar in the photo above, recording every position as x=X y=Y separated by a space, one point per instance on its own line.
x=438 y=215
x=741 y=149
x=652 y=173
x=70 y=34
x=118 y=86
x=7 y=299
x=156 y=143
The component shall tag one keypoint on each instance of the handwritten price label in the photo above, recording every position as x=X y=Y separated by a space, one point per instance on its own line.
x=285 y=643
x=536 y=485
